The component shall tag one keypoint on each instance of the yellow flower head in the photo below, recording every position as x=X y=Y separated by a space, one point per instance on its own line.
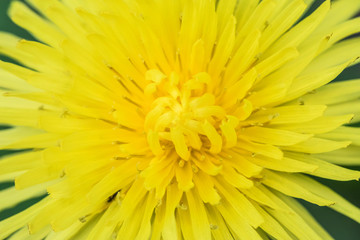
x=177 y=119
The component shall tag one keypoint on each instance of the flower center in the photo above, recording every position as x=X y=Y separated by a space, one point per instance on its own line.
x=184 y=116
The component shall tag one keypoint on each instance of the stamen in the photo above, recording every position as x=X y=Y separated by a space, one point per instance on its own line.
x=178 y=139
x=184 y=119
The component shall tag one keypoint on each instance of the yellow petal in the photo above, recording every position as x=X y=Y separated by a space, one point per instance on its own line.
x=199 y=220
x=18 y=162
x=40 y=28
x=319 y=125
x=236 y=222
x=344 y=133
x=16 y=116
x=325 y=169
x=243 y=11
x=17 y=221
x=283 y=21
x=346 y=52
x=334 y=93
x=235 y=179
x=239 y=203
x=284 y=165
x=271 y=226
x=144 y=231
x=206 y=163
x=273 y=136
x=224 y=12
x=257 y=18
x=304 y=214
x=287 y=114
x=242 y=164
x=263 y=149
x=350 y=107
x=218 y=225
x=338 y=13
x=275 y=61
x=42 y=140
x=115 y=180
x=133 y=198
x=104 y=228
x=80 y=140
x=224 y=48
x=12 y=82
x=269 y=95
x=246 y=55
x=283 y=183
x=292 y=221
x=183 y=220
x=348 y=156
x=173 y=197
x=130 y=227
x=10 y=197
x=312 y=80
x=68 y=125
x=205 y=187
x=317 y=145
x=302 y=30
x=40 y=174
x=184 y=175
x=341 y=205
x=260 y=194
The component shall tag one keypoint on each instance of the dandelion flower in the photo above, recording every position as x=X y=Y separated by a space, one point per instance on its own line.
x=177 y=119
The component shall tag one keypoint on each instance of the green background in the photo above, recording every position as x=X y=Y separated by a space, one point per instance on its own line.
x=340 y=227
